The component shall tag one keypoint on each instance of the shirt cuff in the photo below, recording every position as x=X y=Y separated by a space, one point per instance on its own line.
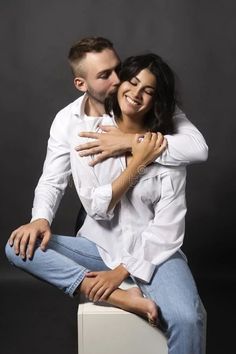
x=96 y=201
x=42 y=214
x=101 y=201
x=138 y=268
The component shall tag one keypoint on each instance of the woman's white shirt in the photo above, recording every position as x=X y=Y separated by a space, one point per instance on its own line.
x=147 y=226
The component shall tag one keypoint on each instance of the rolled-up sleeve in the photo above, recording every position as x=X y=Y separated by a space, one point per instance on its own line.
x=96 y=201
x=95 y=198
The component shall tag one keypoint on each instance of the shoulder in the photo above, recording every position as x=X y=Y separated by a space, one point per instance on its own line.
x=72 y=109
x=65 y=121
x=179 y=115
x=68 y=115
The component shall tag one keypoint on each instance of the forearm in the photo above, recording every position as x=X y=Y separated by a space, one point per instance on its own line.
x=122 y=183
x=126 y=179
x=144 y=151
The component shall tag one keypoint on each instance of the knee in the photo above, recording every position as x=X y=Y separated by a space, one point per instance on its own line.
x=189 y=318
x=9 y=251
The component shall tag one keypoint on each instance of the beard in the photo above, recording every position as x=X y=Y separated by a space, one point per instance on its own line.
x=101 y=96
x=95 y=96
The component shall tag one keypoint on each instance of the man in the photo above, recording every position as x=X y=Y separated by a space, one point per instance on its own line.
x=94 y=64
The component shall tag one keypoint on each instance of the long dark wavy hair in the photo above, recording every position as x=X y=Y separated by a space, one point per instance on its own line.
x=160 y=117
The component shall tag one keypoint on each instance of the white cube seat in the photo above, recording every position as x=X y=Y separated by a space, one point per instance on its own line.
x=104 y=329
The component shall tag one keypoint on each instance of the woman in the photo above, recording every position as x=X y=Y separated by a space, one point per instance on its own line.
x=135 y=221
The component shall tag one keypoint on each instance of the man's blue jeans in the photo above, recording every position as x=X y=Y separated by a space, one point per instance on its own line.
x=172 y=287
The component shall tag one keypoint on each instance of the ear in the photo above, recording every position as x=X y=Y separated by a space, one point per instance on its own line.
x=80 y=84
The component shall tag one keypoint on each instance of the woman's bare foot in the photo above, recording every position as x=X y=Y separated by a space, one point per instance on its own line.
x=143 y=306
x=132 y=300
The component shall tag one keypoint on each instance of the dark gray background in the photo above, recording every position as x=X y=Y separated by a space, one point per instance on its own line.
x=197 y=39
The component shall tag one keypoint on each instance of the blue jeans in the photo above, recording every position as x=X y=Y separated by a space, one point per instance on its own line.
x=172 y=287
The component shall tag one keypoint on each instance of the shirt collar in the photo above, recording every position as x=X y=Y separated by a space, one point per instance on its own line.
x=78 y=106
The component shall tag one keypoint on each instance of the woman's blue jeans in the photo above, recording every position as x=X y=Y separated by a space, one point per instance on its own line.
x=172 y=287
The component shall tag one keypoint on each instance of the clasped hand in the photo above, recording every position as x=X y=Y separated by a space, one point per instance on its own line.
x=103 y=283
x=148 y=148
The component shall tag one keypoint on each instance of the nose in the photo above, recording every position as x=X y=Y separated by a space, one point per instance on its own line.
x=137 y=91
x=115 y=79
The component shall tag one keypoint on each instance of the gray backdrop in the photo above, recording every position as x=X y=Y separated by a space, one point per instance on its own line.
x=196 y=38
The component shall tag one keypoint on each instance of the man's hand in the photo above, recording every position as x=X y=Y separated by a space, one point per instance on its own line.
x=111 y=142
x=105 y=282
x=24 y=238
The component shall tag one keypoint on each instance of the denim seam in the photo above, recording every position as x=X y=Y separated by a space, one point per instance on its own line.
x=70 y=291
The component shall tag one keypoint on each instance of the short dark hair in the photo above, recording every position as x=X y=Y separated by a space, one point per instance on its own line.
x=160 y=117
x=84 y=46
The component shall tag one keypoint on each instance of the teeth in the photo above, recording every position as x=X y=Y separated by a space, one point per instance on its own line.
x=131 y=101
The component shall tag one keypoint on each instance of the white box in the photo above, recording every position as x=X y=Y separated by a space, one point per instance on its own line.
x=104 y=329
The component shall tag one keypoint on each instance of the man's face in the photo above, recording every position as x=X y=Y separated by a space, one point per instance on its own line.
x=100 y=74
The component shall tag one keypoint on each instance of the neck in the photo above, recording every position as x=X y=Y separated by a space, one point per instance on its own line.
x=132 y=125
x=94 y=108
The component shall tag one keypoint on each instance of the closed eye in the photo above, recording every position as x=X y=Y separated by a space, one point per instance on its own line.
x=133 y=81
x=149 y=91
x=105 y=74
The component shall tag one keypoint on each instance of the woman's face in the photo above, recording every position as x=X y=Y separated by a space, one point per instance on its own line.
x=135 y=97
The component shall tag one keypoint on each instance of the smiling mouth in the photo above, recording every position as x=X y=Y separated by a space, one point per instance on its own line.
x=132 y=101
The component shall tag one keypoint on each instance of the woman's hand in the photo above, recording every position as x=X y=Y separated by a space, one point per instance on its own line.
x=105 y=282
x=146 y=149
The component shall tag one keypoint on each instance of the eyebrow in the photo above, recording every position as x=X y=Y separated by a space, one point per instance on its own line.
x=107 y=70
x=104 y=71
